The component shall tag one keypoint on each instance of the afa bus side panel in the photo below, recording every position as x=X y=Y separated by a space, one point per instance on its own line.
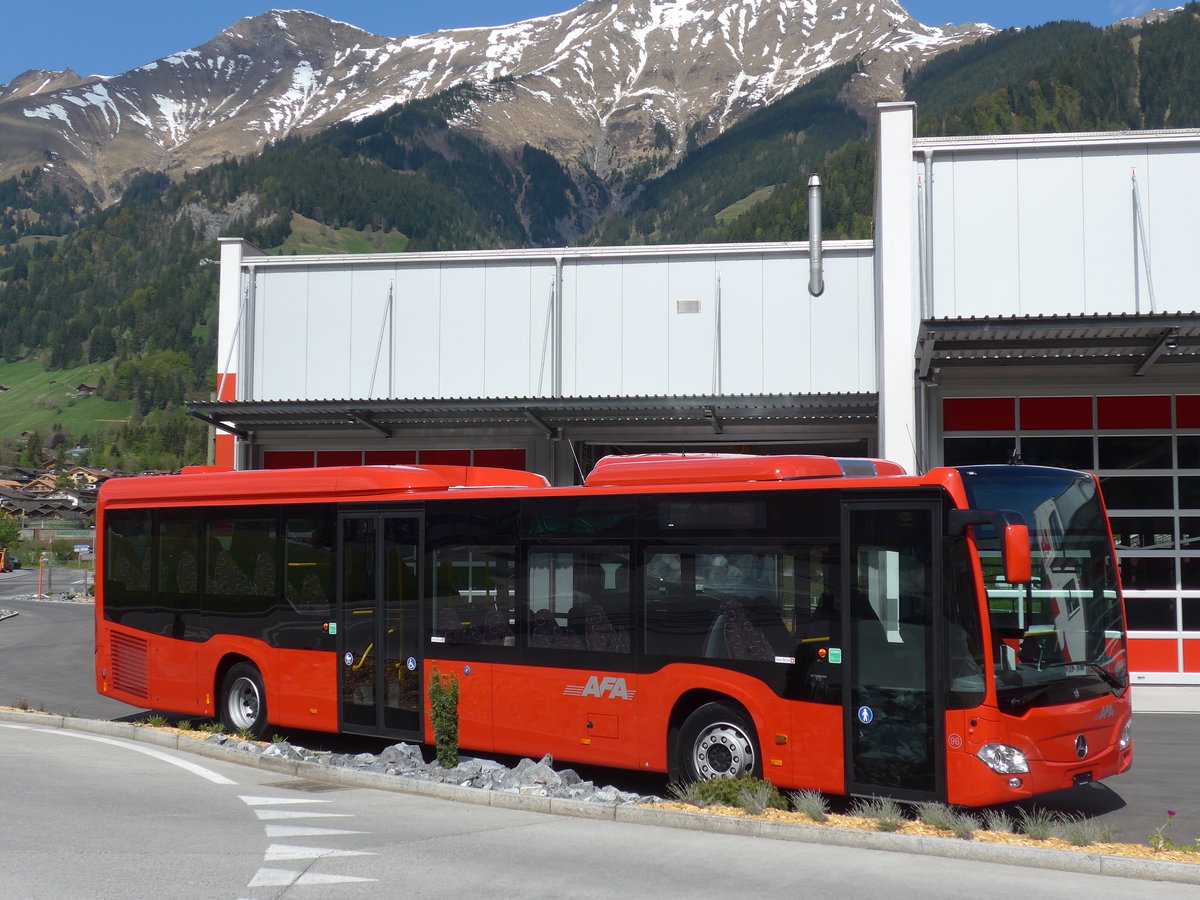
x=582 y=715
x=301 y=685
x=771 y=715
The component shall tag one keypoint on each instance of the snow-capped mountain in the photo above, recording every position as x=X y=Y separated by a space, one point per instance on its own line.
x=593 y=85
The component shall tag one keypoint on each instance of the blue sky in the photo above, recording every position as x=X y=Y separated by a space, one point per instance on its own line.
x=107 y=38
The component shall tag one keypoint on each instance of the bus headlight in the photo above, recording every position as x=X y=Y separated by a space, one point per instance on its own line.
x=1127 y=735
x=1003 y=759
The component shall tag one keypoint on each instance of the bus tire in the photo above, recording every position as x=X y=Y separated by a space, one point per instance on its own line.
x=244 y=700
x=717 y=741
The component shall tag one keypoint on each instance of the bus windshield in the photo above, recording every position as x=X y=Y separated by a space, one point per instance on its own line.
x=1059 y=638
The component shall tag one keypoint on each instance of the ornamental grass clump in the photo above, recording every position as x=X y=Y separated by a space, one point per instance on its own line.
x=999 y=821
x=1036 y=824
x=1080 y=831
x=757 y=794
x=810 y=803
x=885 y=813
x=947 y=818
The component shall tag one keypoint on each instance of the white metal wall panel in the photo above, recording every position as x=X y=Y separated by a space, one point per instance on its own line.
x=1171 y=194
x=1050 y=258
x=592 y=327
x=1111 y=278
x=461 y=365
x=372 y=325
x=691 y=342
x=786 y=345
x=330 y=326
x=279 y=368
x=841 y=339
x=645 y=326
x=478 y=328
x=509 y=354
x=979 y=277
x=1046 y=229
x=743 y=297
x=419 y=331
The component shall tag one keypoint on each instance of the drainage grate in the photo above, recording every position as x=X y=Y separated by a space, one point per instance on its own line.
x=307 y=787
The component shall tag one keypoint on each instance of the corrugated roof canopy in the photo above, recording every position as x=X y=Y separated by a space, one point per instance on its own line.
x=1138 y=341
x=552 y=415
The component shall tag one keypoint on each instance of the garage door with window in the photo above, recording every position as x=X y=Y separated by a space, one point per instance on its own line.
x=1146 y=452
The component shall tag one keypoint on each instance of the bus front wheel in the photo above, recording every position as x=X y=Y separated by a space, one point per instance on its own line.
x=244 y=700
x=717 y=741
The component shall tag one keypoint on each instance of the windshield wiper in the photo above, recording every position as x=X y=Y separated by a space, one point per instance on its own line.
x=1113 y=681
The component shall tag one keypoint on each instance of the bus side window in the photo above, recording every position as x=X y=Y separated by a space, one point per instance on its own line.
x=474 y=600
x=579 y=599
x=308 y=562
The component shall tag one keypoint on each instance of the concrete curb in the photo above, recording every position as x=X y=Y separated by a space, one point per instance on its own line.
x=947 y=848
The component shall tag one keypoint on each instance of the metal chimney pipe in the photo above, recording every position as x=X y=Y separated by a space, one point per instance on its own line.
x=816 y=274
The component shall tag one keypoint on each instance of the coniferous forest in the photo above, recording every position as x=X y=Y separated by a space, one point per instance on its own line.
x=133 y=284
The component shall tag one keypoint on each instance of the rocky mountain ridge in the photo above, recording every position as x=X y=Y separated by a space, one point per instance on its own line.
x=605 y=86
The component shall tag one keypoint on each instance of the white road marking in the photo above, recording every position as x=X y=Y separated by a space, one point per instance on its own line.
x=276 y=801
x=128 y=745
x=282 y=831
x=297 y=814
x=286 y=878
x=277 y=852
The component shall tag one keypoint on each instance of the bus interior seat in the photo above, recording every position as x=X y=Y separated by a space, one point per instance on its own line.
x=187 y=576
x=737 y=637
x=264 y=575
x=496 y=629
x=598 y=631
x=545 y=632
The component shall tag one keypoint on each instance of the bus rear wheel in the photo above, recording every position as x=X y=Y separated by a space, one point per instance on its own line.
x=717 y=741
x=244 y=700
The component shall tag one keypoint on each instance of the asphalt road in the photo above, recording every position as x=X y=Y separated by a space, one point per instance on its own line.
x=46 y=661
x=104 y=817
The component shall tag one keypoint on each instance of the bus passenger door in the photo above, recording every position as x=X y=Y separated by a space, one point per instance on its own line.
x=379 y=669
x=893 y=712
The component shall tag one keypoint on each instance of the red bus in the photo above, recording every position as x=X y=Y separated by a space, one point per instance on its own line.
x=830 y=624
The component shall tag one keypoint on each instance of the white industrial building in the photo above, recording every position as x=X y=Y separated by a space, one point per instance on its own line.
x=1027 y=293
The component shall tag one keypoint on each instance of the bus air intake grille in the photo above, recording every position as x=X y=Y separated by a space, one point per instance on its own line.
x=130 y=665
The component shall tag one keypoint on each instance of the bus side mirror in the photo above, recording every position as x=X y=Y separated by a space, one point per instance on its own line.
x=1018 y=563
x=1014 y=533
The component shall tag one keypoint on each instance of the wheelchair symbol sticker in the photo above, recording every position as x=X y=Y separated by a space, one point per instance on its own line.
x=411 y=664
x=865 y=715
x=348 y=659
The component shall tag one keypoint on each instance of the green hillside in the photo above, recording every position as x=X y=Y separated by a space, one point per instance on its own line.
x=306 y=236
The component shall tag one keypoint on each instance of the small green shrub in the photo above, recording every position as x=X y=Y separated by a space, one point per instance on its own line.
x=748 y=793
x=1159 y=840
x=1036 y=823
x=244 y=734
x=184 y=725
x=277 y=738
x=23 y=705
x=156 y=721
x=810 y=803
x=213 y=728
x=885 y=813
x=443 y=712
